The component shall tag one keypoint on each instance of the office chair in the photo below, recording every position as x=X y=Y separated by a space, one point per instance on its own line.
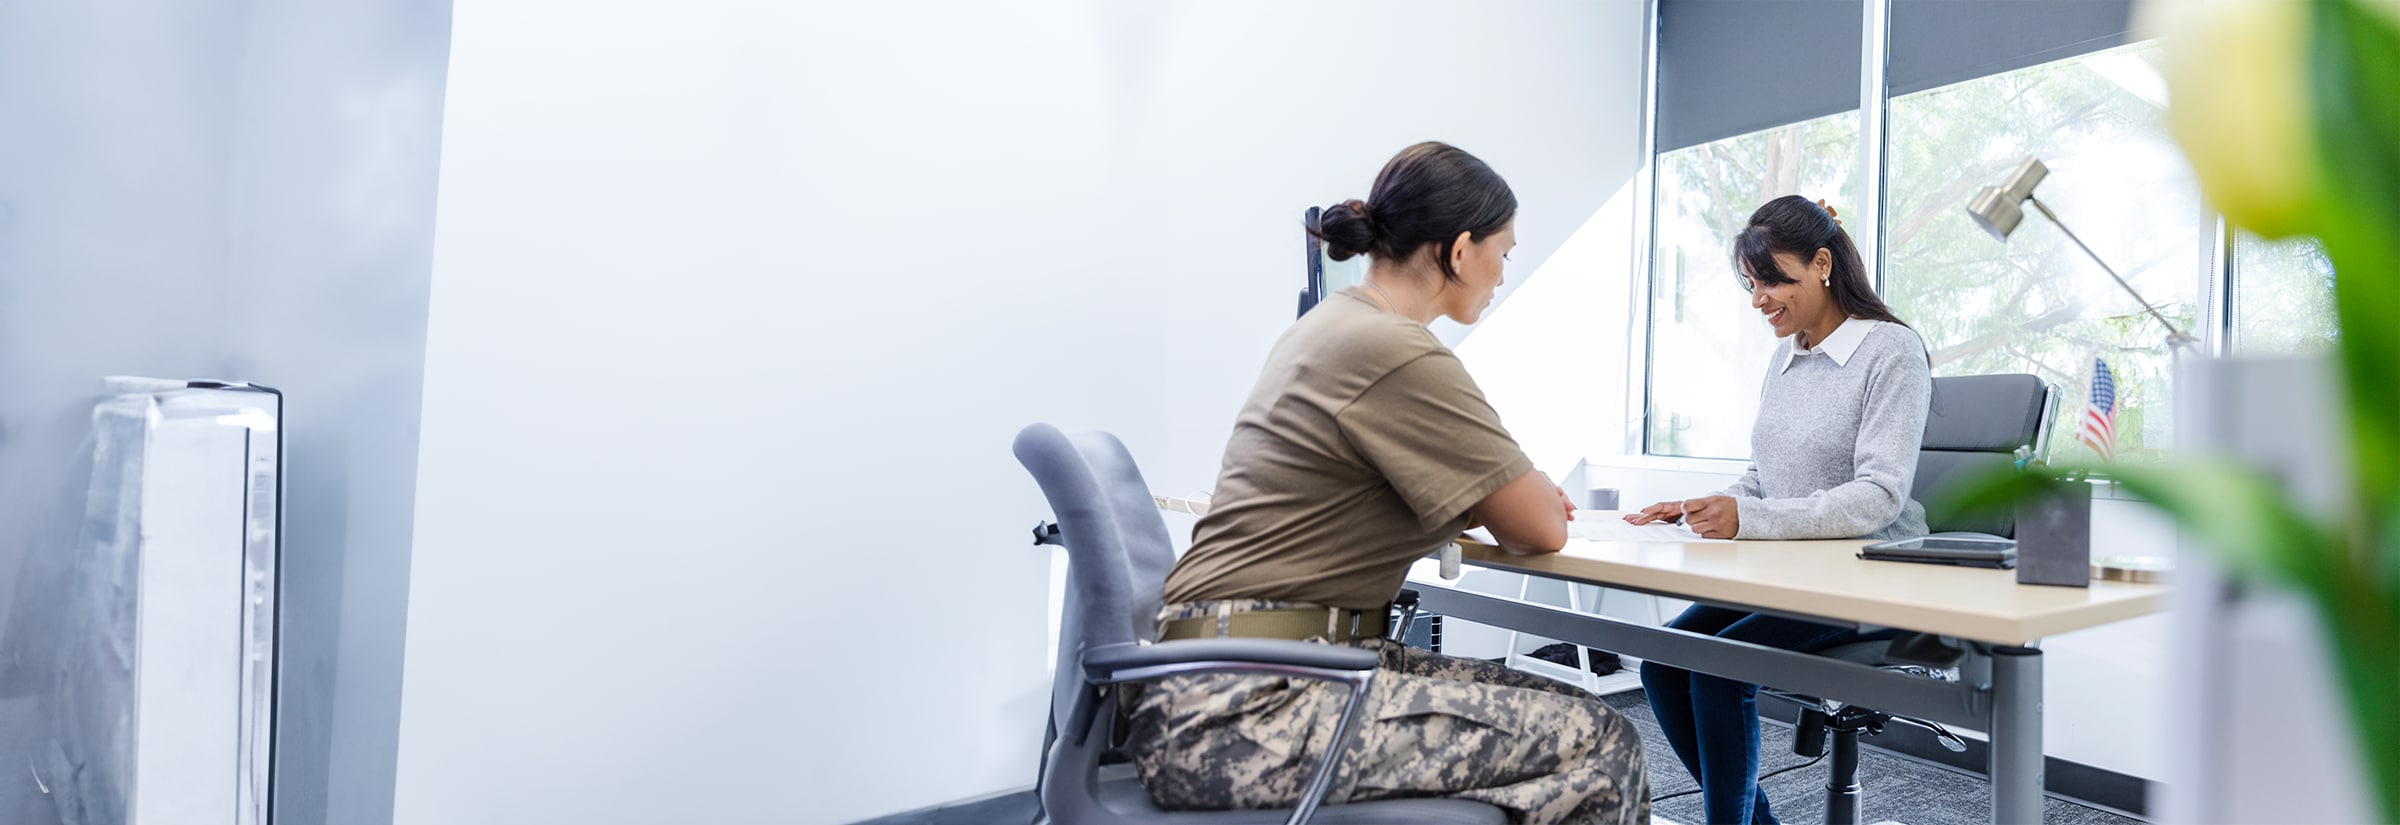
x=1976 y=422
x=1118 y=555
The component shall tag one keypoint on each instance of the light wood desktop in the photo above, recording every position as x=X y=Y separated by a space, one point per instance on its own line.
x=1827 y=579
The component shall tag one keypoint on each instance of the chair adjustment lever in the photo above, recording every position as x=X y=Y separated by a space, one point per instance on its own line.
x=1940 y=734
x=1047 y=533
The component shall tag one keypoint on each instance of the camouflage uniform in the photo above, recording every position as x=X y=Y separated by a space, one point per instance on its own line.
x=1433 y=725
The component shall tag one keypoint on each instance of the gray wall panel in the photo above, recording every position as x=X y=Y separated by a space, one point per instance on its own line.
x=239 y=190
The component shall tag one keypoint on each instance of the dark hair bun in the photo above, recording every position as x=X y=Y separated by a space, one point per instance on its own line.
x=1346 y=228
x=1427 y=196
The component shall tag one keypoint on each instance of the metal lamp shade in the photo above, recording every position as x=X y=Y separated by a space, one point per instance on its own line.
x=1998 y=209
x=1996 y=212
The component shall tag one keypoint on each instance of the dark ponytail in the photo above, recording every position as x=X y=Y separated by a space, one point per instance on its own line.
x=1427 y=194
x=1794 y=225
x=1346 y=229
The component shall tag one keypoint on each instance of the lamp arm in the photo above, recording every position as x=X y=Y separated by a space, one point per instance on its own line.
x=2175 y=337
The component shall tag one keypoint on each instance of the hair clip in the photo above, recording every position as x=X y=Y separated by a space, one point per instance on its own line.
x=1836 y=216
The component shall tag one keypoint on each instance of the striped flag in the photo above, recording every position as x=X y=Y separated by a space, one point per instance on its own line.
x=2100 y=416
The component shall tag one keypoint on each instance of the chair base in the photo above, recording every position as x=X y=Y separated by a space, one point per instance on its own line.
x=1844 y=727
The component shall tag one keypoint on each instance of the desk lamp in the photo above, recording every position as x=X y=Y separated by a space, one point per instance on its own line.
x=2062 y=523
x=1997 y=210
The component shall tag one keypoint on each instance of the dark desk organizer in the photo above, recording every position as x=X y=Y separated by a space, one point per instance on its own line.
x=2054 y=537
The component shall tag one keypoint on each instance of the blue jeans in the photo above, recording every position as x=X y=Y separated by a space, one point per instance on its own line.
x=1712 y=722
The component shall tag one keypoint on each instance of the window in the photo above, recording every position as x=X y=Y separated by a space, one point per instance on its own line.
x=1708 y=348
x=2282 y=298
x=2036 y=304
x=1973 y=89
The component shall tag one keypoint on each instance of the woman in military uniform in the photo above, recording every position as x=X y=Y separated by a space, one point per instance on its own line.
x=1363 y=447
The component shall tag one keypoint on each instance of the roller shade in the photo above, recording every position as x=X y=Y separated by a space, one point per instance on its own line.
x=1731 y=67
x=1940 y=42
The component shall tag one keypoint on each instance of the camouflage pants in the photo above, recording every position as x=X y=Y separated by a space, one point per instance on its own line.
x=1433 y=725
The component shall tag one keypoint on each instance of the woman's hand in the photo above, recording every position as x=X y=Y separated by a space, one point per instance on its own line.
x=1713 y=517
x=1666 y=511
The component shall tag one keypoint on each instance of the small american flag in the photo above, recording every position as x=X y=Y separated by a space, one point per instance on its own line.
x=2100 y=417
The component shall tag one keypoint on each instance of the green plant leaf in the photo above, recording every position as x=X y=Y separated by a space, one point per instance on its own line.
x=2383 y=553
x=2241 y=514
x=2354 y=80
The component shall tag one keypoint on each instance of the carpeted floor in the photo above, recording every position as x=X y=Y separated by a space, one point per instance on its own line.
x=1892 y=789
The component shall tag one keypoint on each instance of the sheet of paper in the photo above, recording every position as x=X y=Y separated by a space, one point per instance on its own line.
x=1603 y=526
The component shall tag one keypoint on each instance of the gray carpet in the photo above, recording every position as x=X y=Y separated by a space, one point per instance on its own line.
x=1890 y=788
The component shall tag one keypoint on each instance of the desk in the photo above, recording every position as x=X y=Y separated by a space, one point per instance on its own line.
x=2000 y=686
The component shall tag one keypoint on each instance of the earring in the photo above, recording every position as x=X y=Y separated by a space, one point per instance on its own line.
x=1828 y=282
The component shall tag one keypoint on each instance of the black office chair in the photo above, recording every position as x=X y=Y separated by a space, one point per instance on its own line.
x=1976 y=423
x=1117 y=561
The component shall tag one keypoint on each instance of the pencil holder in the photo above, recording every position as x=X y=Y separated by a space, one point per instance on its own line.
x=2054 y=537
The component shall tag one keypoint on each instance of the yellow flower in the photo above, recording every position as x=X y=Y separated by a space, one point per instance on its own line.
x=2237 y=86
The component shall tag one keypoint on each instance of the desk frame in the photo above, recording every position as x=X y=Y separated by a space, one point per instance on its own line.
x=1999 y=689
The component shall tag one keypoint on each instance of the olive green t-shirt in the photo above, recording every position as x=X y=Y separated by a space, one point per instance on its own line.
x=1359 y=452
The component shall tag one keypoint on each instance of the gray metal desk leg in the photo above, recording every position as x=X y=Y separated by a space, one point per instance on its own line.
x=2016 y=735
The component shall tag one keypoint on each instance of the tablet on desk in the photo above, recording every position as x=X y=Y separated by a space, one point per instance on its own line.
x=1965 y=552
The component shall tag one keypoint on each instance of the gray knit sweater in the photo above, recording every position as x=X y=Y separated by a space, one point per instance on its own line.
x=1835 y=446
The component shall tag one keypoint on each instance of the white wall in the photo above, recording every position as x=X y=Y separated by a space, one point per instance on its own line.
x=737 y=306
x=1246 y=114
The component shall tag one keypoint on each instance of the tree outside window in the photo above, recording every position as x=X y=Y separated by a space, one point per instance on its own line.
x=1708 y=348
x=2034 y=304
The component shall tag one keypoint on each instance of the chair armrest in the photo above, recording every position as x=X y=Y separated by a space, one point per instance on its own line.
x=1124 y=662
x=1133 y=662
x=1351 y=666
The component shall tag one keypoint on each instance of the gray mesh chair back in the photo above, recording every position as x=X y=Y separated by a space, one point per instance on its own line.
x=1978 y=422
x=1118 y=561
x=1118 y=556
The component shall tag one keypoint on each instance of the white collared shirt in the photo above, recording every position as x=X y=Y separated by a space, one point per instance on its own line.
x=1839 y=346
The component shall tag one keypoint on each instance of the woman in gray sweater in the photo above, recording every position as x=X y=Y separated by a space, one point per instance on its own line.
x=1832 y=455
